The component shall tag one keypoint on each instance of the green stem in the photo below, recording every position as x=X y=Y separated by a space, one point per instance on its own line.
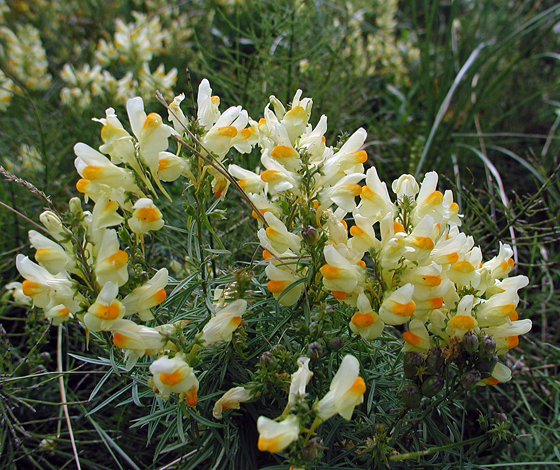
x=433 y=450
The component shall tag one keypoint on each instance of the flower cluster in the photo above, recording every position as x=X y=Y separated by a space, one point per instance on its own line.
x=331 y=235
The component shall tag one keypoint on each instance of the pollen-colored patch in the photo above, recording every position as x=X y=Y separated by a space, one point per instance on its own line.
x=269 y=445
x=171 y=379
x=431 y=281
x=120 y=340
x=164 y=164
x=273 y=234
x=434 y=303
x=152 y=122
x=283 y=151
x=451 y=258
x=297 y=112
x=363 y=320
x=463 y=267
x=215 y=100
x=341 y=295
x=434 y=199
x=404 y=310
x=270 y=176
x=505 y=310
x=93 y=172
x=31 y=288
x=246 y=133
x=514 y=316
x=227 y=131
x=191 y=397
x=360 y=156
x=315 y=204
x=276 y=287
x=398 y=227
x=267 y=254
x=353 y=189
x=147 y=214
x=491 y=381
x=82 y=185
x=361 y=263
x=356 y=231
x=63 y=312
x=367 y=193
x=462 y=322
x=330 y=272
x=158 y=297
x=512 y=341
x=43 y=254
x=358 y=387
x=118 y=260
x=511 y=262
x=235 y=321
x=423 y=243
x=454 y=208
x=262 y=122
x=344 y=224
x=411 y=338
x=107 y=312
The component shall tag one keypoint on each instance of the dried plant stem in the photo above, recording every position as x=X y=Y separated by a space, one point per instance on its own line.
x=16 y=179
x=63 y=395
x=23 y=216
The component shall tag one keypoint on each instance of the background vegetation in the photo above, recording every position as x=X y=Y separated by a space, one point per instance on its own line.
x=467 y=88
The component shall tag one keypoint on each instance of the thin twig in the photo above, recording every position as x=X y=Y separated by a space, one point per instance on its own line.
x=16 y=179
x=63 y=395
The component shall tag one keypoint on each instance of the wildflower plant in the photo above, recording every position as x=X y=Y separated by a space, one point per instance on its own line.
x=292 y=340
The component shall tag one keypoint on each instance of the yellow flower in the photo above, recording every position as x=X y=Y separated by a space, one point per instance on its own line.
x=346 y=391
x=175 y=376
x=145 y=217
x=224 y=323
x=275 y=437
x=231 y=400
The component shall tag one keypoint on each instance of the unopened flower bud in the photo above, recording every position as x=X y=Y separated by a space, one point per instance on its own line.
x=487 y=346
x=314 y=350
x=75 y=206
x=310 y=234
x=470 y=342
x=469 y=379
x=336 y=343
x=432 y=386
x=487 y=366
x=411 y=395
x=53 y=224
x=412 y=361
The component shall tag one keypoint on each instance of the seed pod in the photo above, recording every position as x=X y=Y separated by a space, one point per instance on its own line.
x=469 y=379
x=336 y=343
x=487 y=347
x=432 y=386
x=487 y=366
x=411 y=395
x=314 y=350
x=312 y=450
x=412 y=361
x=434 y=361
x=501 y=418
x=470 y=342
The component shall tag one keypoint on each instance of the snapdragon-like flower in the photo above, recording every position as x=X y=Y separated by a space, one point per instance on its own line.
x=142 y=299
x=105 y=310
x=300 y=379
x=111 y=264
x=231 y=401
x=345 y=393
x=49 y=254
x=174 y=375
x=224 y=323
x=137 y=340
x=275 y=437
x=146 y=217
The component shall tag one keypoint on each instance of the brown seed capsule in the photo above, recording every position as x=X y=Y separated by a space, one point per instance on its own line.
x=469 y=379
x=470 y=342
x=432 y=386
x=411 y=395
x=412 y=361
